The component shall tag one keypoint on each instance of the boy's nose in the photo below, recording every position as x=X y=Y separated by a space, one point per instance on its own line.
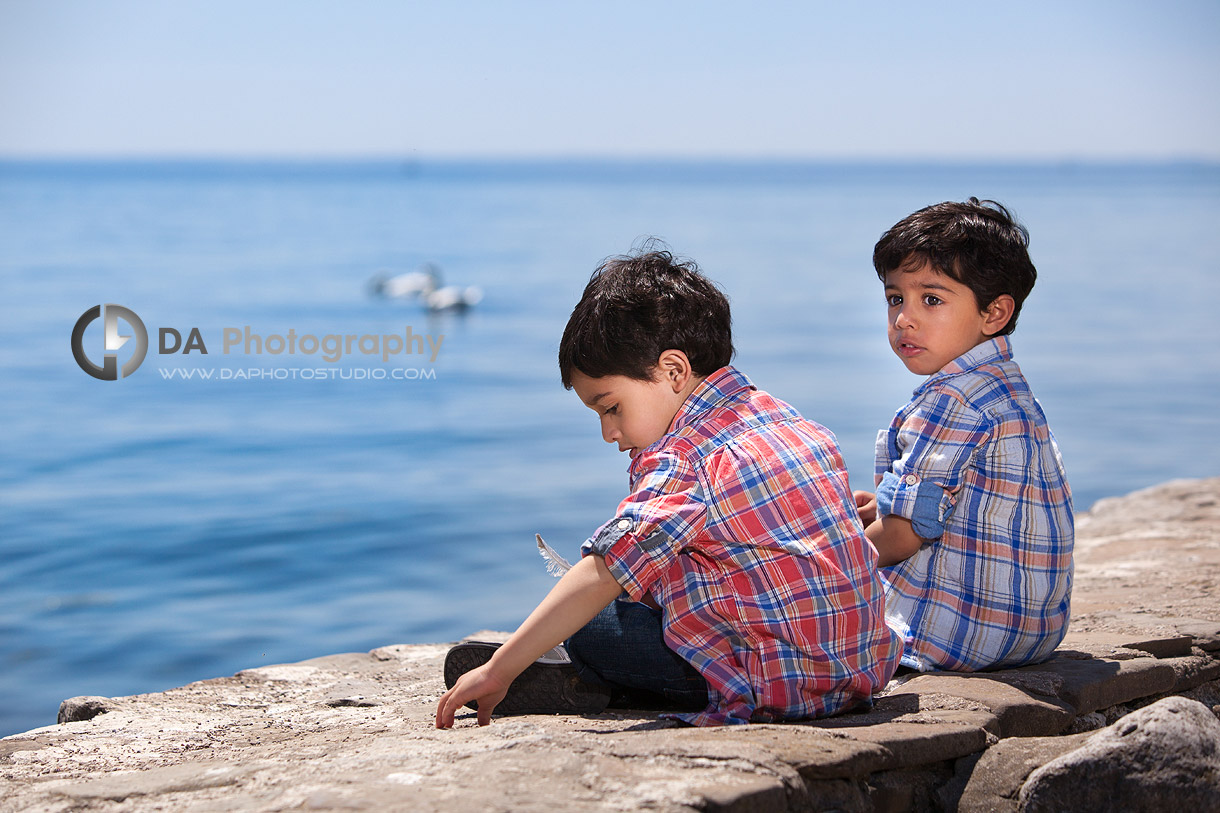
x=902 y=321
x=610 y=434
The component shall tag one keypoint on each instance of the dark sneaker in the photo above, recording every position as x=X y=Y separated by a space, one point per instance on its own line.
x=549 y=685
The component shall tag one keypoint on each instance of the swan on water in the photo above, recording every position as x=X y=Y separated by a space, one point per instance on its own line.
x=411 y=285
x=425 y=284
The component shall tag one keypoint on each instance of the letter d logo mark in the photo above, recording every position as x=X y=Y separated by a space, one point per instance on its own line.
x=109 y=371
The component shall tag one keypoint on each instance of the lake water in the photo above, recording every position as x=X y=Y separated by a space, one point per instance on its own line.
x=161 y=528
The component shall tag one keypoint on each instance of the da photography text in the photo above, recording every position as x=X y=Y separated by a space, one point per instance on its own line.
x=330 y=348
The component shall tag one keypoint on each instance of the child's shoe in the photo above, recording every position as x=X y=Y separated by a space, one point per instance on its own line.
x=549 y=685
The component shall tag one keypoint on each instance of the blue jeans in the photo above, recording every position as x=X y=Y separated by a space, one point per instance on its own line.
x=622 y=648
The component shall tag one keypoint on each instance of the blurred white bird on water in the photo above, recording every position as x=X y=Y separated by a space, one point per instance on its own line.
x=425 y=285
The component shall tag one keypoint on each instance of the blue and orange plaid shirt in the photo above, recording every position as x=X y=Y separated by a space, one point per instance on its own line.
x=741 y=526
x=971 y=462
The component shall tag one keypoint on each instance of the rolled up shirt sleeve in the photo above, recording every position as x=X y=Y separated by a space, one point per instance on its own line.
x=931 y=450
x=665 y=511
x=926 y=505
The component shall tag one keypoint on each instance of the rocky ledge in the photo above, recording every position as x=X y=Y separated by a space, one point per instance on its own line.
x=1123 y=717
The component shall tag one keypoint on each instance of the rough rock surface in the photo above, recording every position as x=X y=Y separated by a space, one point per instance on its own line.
x=354 y=731
x=1163 y=757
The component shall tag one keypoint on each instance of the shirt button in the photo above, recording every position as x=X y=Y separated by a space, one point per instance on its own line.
x=624 y=524
x=911 y=479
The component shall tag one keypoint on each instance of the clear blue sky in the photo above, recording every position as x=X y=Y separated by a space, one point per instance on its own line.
x=964 y=80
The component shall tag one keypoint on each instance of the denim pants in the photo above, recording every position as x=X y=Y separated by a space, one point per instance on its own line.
x=622 y=648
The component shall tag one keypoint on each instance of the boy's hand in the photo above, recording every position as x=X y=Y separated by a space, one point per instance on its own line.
x=578 y=596
x=478 y=684
x=866 y=506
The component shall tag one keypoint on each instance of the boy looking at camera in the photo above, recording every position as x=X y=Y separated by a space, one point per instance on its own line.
x=753 y=592
x=972 y=518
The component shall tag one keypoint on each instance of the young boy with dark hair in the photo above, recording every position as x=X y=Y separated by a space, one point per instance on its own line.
x=753 y=592
x=972 y=518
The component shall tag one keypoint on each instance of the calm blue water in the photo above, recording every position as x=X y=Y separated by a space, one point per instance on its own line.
x=155 y=531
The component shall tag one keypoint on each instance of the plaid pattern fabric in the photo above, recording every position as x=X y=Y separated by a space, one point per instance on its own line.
x=971 y=462
x=741 y=525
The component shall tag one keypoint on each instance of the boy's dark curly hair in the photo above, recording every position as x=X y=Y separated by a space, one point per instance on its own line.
x=978 y=243
x=639 y=305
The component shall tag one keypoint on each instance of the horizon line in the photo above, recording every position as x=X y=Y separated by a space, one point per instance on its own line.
x=605 y=158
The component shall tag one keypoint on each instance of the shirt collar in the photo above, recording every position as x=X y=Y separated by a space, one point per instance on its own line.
x=721 y=386
x=992 y=351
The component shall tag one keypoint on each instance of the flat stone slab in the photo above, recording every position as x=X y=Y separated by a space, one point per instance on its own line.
x=355 y=731
x=1022 y=707
x=1089 y=684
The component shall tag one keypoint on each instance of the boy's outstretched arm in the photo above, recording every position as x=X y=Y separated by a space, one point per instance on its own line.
x=893 y=537
x=573 y=602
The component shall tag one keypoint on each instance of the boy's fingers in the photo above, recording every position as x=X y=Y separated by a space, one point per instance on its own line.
x=452 y=700
x=447 y=708
x=443 y=720
x=866 y=505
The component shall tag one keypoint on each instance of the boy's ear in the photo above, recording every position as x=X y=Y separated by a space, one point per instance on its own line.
x=998 y=313
x=674 y=369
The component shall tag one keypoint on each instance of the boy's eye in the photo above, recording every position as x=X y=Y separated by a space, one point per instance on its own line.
x=931 y=299
x=611 y=410
x=893 y=300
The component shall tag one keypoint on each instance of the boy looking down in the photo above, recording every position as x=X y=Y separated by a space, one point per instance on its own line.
x=751 y=591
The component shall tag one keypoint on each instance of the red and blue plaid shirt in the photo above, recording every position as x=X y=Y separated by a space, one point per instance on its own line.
x=971 y=462
x=741 y=525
